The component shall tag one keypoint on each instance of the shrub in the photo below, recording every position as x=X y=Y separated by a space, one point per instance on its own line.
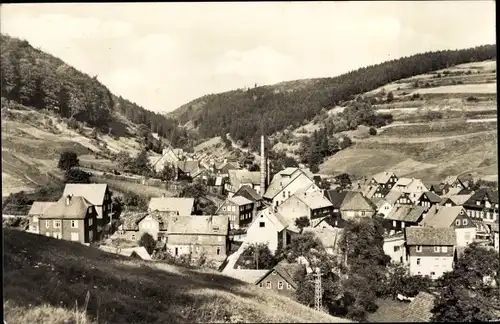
x=148 y=242
x=372 y=131
x=472 y=99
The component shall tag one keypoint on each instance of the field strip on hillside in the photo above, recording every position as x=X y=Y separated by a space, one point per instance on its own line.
x=390 y=140
x=486 y=88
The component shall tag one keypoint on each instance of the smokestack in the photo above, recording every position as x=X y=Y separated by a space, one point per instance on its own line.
x=262 y=166
x=268 y=172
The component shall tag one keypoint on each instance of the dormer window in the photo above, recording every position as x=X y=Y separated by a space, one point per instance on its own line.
x=478 y=202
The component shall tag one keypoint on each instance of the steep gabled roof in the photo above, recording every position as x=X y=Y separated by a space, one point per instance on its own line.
x=39 y=207
x=161 y=217
x=130 y=220
x=382 y=177
x=250 y=193
x=406 y=213
x=239 y=200
x=283 y=178
x=393 y=196
x=335 y=197
x=93 y=192
x=275 y=217
x=442 y=216
x=457 y=199
x=419 y=309
x=355 y=201
x=286 y=271
x=430 y=236
x=480 y=195
x=314 y=200
x=433 y=198
x=76 y=209
x=183 y=206
x=239 y=177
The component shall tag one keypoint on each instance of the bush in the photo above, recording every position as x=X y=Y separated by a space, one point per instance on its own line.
x=432 y=115
x=372 y=131
x=148 y=242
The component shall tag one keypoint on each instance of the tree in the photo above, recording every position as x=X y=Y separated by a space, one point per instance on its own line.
x=68 y=160
x=302 y=222
x=75 y=175
x=390 y=96
x=399 y=281
x=256 y=256
x=372 y=131
x=193 y=190
x=345 y=142
x=168 y=172
x=466 y=294
x=148 y=242
x=141 y=164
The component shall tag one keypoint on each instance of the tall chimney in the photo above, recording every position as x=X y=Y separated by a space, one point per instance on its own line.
x=262 y=165
x=268 y=172
x=68 y=200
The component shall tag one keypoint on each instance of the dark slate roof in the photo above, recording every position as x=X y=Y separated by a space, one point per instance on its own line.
x=430 y=236
x=286 y=271
x=480 y=194
x=406 y=213
x=248 y=192
x=419 y=310
x=335 y=197
x=130 y=220
x=432 y=197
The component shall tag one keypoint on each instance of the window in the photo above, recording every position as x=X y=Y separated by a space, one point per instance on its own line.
x=56 y=235
x=74 y=237
x=478 y=202
x=288 y=286
x=444 y=249
x=436 y=249
x=47 y=233
x=218 y=251
x=457 y=222
x=464 y=222
x=74 y=224
x=219 y=238
x=433 y=273
x=418 y=262
x=133 y=237
x=47 y=223
x=280 y=285
x=57 y=223
x=396 y=248
x=90 y=221
x=262 y=224
x=261 y=285
x=176 y=251
x=274 y=272
x=419 y=248
x=269 y=285
x=283 y=194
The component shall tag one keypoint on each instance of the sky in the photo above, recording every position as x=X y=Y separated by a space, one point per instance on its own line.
x=163 y=55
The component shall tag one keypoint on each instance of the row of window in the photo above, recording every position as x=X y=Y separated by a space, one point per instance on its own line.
x=233 y=208
x=74 y=235
x=464 y=222
x=269 y=285
x=435 y=259
x=436 y=248
x=57 y=223
x=481 y=214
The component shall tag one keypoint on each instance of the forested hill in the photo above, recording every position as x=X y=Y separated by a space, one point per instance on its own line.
x=39 y=80
x=241 y=112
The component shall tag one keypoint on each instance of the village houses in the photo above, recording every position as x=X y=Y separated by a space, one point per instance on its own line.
x=98 y=194
x=71 y=218
x=252 y=195
x=383 y=182
x=154 y=223
x=287 y=182
x=240 y=211
x=395 y=247
x=37 y=210
x=169 y=156
x=452 y=217
x=280 y=279
x=312 y=205
x=412 y=187
x=199 y=236
x=402 y=216
x=270 y=228
x=431 y=251
x=428 y=199
x=240 y=178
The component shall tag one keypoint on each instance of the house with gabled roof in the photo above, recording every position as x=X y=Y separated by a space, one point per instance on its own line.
x=440 y=189
x=240 y=211
x=431 y=251
x=287 y=182
x=250 y=194
x=98 y=194
x=215 y=185
x=169 y=156
x=452 y=217
x=224 y=167
x=280 y=279
x=397 y=197
x=312 y=205
x=155 y=223
x=428 y=199
x=189 y=169
x=355 y=206
x=183 y=206
x=240 y=178
x=37 y=210
x=71 y=218
x=412 y=187
x=483 y=205
x=382 y=206
x=395 y=247
x=198 y=235
x=384 y=182
x=336 y=197
x=460 y=182
x=401 y=217
x=270 y=228
x=456 y=200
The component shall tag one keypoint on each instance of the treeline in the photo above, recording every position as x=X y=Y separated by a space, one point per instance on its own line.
x=39 y=80
x=242 y=112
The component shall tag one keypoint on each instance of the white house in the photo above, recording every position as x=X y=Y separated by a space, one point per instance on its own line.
x=395 y=247
x=312 y=205
x=287 y=182
x=268 y=228
x=411 y=186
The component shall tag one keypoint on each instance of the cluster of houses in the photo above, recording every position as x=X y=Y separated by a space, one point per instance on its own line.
x=427 y=227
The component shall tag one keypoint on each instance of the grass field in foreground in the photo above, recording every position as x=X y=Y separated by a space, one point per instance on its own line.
x=44 y=278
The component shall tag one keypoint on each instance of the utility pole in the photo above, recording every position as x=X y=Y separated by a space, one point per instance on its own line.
x=318 y=293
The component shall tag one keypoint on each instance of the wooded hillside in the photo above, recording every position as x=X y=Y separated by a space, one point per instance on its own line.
x=242 y=112
x=36 y=79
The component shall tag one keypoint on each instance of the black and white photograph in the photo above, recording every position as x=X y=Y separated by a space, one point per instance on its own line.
x=249 y=162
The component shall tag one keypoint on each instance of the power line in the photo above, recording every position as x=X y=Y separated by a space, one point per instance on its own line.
x=318 y=292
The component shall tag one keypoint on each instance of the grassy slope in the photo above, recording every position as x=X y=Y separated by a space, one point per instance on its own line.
x=45 y=277
x=31 y=148
x=431 y=149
